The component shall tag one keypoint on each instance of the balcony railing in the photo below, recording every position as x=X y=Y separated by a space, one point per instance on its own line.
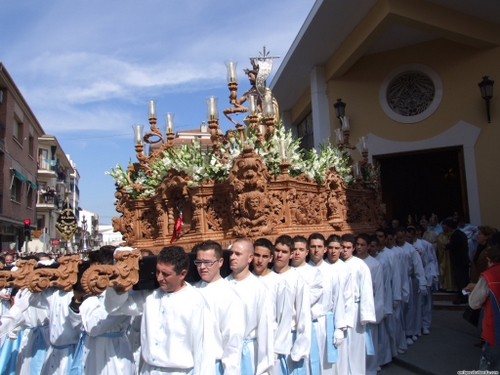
x=48 y=197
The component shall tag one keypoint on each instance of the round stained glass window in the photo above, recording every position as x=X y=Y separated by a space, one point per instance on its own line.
x=411 y=93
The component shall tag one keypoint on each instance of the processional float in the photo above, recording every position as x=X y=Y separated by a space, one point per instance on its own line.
x=254 y=181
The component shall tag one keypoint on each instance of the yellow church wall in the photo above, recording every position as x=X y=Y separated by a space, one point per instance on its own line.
x=460 y=69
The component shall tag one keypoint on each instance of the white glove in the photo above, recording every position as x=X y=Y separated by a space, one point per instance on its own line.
x=395 y=304
x=423 y=292
x=22 y=300
x=338 y=337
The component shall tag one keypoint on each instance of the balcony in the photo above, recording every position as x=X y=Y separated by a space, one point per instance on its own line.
x=47 y=200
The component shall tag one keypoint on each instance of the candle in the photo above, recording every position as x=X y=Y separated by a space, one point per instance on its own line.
x=363 y=143
x=152 y=109
x=339 y=135
x=138 y=129
x=169 y=122
x=268 y=105
x=252 y=105
x=212 y=111
x=231 y=71
x=356 y=169
x=345 y=123
x=282 y=150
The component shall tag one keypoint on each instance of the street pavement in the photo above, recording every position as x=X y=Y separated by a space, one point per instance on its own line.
x=448 y=349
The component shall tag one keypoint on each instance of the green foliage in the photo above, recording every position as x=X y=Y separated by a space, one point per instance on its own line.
x=204 y=166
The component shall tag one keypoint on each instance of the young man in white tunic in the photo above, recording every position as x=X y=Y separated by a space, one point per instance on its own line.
x=177 y=326
x=263 y=257
x=292 y=340
x=225 y=306
x=390 y=264
x=104 y=347
x=418 y=289
x=331 y=322
x=363 y=310
x=403 y=260
x=314 y=279
x=431 y=269
x=258 y=346
x=333 y=251
x=377 y=276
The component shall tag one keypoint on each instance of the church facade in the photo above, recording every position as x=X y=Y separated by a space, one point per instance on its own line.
x=408 y=71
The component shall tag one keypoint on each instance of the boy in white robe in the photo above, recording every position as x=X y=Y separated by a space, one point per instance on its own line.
x=104 y=347
x=390 y=264
x=225 y=306
x=314 y=279
x=64 y=333
x=258 y=344
x=413 y=316
x=263 y=256
x=431 y=270
x=402 y=259
x=331 y=321
x=377 y=277
x=292 y=340
x=177 y=326
x=333 y=251
x=363 y=306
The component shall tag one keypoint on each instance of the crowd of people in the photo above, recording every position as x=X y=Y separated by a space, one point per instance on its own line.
x=341 y=305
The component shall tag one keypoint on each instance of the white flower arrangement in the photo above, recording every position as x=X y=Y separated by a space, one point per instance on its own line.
x=204 y=166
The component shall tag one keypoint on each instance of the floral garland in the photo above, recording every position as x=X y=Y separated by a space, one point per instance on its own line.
x=204 y=166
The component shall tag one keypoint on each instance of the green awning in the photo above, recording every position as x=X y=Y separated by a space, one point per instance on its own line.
x=19 y=175
x=33 y=185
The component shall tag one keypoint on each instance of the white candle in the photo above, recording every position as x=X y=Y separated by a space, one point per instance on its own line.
x=282 y=150
x=363 y=143
x=169 y=119
x=152 y=109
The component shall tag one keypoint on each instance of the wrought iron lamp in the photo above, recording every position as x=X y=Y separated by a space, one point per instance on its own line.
x=339 y=109
x=486 y=87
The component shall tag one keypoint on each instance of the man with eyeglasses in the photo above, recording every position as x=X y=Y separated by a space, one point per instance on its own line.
x=225 y=306
x=258 y=343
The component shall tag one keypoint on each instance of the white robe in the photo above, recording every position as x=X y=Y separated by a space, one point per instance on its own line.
x=176 y=329
x=105 y=355
x=292 y=337
x=364 y=312
x=229 y=322
x=271 y=281
x=36 y=319
x=345 y=277
x=384 y=354
x=398 y=338
x=377 y=275
x=431 y=270
x=64 y=333
x=413 y=315
x=259 y=321
x=332 y=301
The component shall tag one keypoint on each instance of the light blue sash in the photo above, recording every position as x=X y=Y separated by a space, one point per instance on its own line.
x=332 y=354
x=370 y=350
x=283 y=364
x=219 y=369
x=39 y=349
x=8 y=355
x=246 y=358
x=76 y=365
x=299 y=367
x=314 y=360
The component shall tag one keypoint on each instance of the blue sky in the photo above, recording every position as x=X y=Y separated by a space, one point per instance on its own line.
x=88 y=68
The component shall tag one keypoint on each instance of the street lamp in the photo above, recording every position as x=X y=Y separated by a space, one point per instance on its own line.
x=486 y=87
x=339 y=109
